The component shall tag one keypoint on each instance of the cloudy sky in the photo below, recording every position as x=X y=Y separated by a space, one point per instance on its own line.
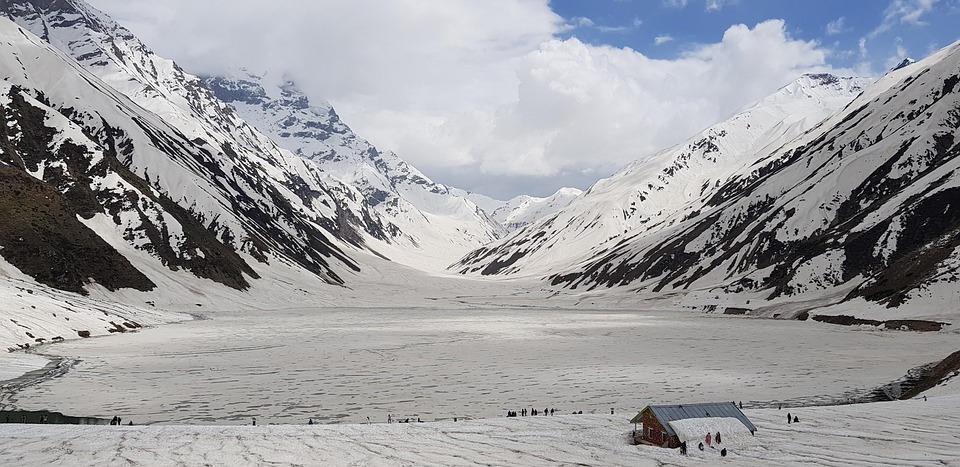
x=507 y=97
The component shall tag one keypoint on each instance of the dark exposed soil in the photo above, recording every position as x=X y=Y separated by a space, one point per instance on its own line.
x=909 y=324
x=41 y=236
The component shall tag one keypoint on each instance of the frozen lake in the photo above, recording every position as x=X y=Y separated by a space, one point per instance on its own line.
x=344 y=365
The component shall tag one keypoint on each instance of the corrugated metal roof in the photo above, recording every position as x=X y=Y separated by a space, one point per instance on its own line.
x=669 y=413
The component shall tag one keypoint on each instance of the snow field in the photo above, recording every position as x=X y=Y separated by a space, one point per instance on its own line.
x=914 y=433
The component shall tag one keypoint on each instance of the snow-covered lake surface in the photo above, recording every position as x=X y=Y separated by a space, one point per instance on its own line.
x=908 y=433
x=344 y=365
x=13 y=365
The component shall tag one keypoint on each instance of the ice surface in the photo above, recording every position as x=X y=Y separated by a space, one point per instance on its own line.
x=13 y=365
x=344 y=365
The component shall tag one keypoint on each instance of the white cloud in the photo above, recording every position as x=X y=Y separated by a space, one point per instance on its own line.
x=613 y=28
x=897 y=15
x=717 y=5
x=662 y=39
x=582 y=107
x=675 y=3
x=479 y=95
x=583 y=21
x=908 y=12
x=836 y=27
x=899 y=54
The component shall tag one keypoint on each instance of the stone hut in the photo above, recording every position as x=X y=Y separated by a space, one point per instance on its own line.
x=657 y=429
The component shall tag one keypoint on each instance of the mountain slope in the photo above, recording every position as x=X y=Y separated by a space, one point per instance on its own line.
x=864 y=207
x=642 y=197
x=430 y=224
x=175 y=192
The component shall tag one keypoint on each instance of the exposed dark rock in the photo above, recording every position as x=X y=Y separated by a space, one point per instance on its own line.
x=40 y=233
x=947 y=368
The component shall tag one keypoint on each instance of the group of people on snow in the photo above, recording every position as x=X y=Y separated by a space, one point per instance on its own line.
x=118 y=421
x=710 y=440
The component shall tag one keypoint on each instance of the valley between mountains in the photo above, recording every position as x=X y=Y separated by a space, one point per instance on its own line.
x=235 y=214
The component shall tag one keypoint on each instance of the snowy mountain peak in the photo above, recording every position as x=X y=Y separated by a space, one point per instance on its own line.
x=523 y=210
x=430 y=225
x=904 y=63
x=819 y=78
x=644 y=196
x=818 y=86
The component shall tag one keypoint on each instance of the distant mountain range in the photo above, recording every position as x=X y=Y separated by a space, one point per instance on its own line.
x=523 y=210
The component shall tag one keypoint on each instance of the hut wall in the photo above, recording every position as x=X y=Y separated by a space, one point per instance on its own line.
x=655 y=433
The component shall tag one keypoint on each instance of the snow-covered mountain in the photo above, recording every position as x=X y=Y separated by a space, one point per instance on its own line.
x=431 y=225
x=860 y=214
x=147 y=162
x=524 y=209
x=642 y=197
